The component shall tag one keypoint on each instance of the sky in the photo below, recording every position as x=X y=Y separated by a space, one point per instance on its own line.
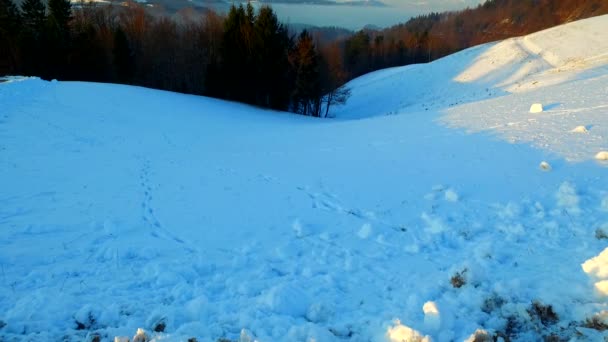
x=355 y=18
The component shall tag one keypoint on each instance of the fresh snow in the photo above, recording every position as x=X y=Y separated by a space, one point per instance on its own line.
x=125 y=208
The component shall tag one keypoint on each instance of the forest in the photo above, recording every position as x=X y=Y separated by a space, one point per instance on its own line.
x=247 y=55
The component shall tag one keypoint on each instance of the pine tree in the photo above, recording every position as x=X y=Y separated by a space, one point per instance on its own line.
x=307 y=94
x=32 y=37
x=10 y=25
x=238 y=71
x=124 y=65
x=60 y=13
x=34 y=16
x=271 y=47
x=57 y=39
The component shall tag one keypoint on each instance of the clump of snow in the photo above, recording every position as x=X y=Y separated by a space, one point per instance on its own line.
x=286 y=299
x=434 y=225
x=318 y=313
x=604 y=204
x=121 y=339
x=432 y=319
x=141 y=336
x=602 y=287
x=603 y=155
x=545 y=166
x=451 y=195
x=580 y=129
x=567 y=198
x=598 y=265
x=365 y=231
x=246 y=336
x=297 y=228
x=401 y=333
x=536 y=108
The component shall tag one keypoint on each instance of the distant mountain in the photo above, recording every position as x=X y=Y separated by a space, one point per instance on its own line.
x=371 y=3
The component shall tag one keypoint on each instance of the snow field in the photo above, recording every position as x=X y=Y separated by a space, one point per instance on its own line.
x=217 y=220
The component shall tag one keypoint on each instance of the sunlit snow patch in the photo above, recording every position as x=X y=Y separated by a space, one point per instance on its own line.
x=536 y=108
x=402 y=333
x=603 y=155
x=597 y=267
x=580 y=129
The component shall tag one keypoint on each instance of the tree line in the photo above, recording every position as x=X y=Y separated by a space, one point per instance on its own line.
x=246 y=55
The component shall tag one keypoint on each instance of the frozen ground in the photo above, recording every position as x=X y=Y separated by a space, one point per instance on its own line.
x=125 y=208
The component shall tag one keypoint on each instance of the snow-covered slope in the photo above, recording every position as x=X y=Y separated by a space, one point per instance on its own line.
x=125 y=208
x=491 y=88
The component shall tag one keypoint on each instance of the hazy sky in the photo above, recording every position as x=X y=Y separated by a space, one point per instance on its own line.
x=430 y=4
x=356 y=17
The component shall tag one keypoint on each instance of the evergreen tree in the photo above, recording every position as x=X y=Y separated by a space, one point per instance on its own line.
x=307 y=94
x=237 y=69
x=60 y=13
x=34 y=16
x=10 y=25
x=124 y=65
x=272 y=45
x=32 y=37
x=57 y=38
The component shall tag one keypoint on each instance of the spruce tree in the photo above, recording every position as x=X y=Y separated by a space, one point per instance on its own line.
x=31 y=39
x=237 y=56
x=124 y=65
x=60 y=13
x=34 y=16
x=10 y=22
x=307 y=94
x=272 y=46
x=57 y=39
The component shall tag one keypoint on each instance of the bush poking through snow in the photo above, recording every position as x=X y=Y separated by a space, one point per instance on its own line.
x=598 y=322
x=480 y=335
x=93 y=337
x=192 y=339
x=601 y=233
x=160 y=326
x=492 y=303
x=458 y=280
x=544 y=313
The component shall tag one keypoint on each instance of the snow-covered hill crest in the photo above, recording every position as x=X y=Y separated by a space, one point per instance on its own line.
x=491 y=88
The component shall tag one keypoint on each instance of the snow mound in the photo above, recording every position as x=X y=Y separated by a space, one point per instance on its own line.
x=545 y=166
x=580 y=129
x=536 y=108
x=597 y=268
x=603 y=155
x=401 y=333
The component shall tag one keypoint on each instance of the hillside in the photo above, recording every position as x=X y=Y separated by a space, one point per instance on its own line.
x=125 y=207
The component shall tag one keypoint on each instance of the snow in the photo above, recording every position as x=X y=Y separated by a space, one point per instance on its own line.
x=602 y=155
x=401 y=333
x=122 y=208
x=545 y=166
x=536 y=108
